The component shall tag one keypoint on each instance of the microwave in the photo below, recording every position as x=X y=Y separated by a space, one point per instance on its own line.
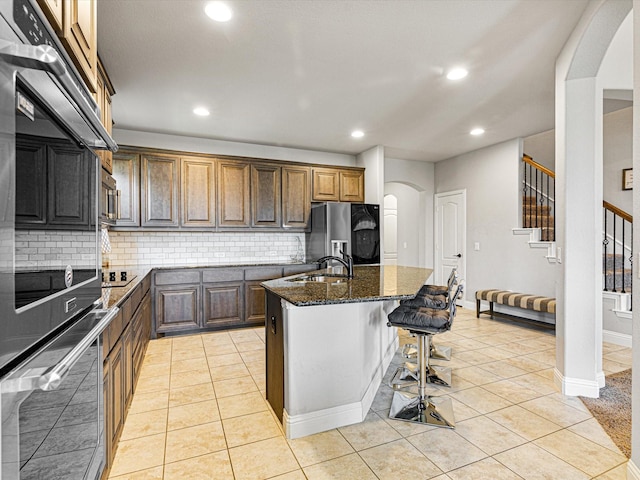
x=109 y=200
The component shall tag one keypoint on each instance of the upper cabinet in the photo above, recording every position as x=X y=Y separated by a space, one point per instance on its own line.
x=266 y=204
x=338 y=185
x=326 y=185
x=352 y=186
x=103 y=99
x=161 y=189
x=198 y=188
x=233 y=193
x=296 y=196
x=75 y=22
x=126 y=171
x=159 y=192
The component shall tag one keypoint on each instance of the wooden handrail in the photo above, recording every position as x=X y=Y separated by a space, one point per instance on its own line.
x=527 y=159
x=617 y=211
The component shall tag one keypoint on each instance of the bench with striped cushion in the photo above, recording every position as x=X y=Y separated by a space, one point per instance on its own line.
x=525 y=301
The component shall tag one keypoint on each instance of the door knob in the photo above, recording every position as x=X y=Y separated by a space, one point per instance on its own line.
x=458 y=255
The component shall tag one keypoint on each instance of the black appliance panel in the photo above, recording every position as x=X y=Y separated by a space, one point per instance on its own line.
x=365 y=233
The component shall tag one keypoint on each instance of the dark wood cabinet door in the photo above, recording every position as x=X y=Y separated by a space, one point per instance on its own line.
x=326 y=185
x=254 y=303
x=223 y=304
x=126 y=171
x=159 y=191
x=31 y=184
x=351 y=186
x=274 y=337
x=68 y=170
x=177 y=308
x=106 y=414
x=266 y=204
x=198 y=192
x=116 y=404
x=296 y=197
x=127 y=354
x=233 y=194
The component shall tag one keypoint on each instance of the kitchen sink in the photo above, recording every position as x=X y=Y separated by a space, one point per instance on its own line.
x=323 y=278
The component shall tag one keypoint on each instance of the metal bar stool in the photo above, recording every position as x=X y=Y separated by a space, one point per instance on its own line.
x=407 y=375
x=424 y=323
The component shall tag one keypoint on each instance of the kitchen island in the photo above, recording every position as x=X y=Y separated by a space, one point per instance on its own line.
x=328 y=344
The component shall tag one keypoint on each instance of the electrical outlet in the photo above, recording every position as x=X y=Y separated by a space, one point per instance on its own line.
x=476 y=246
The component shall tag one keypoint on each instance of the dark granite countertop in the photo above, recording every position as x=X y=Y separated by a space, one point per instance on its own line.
x=370 y=283
x=114 y=295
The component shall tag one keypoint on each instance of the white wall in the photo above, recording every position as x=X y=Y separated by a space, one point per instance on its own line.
x=221 y=147
x=504 y=261
x=617 y=154
x=373 y=162
x=541 y=147
x=413 y=184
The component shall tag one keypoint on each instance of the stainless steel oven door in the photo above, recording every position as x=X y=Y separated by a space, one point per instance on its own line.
x=51 y=408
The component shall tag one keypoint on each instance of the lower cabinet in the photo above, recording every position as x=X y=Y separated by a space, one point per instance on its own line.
x=194 y=299
x=124 y=343
x=223 y=304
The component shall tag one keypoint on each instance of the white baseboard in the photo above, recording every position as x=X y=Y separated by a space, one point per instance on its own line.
x=633 y=472
x=577 y=387
x=297 y=426
x=616 y=338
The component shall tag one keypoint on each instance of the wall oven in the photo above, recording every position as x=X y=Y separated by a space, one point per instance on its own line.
x=50 y=316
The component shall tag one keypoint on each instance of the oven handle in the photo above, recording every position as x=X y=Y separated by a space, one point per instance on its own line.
x=45 y=58
x=51 y=378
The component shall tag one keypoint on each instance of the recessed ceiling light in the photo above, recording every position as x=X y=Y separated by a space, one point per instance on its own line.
x=357 y=134
x=457 y=73
x=477 y=131
x=218 y=11
x=201 y=111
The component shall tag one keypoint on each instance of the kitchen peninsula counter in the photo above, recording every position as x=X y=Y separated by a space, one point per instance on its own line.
x=329 y=346
x=370 y=283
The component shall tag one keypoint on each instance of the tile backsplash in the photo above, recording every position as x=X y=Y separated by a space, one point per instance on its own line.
x=204 y=248
x=42 y=249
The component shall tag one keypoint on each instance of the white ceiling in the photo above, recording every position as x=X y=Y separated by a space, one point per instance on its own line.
x=305 y=73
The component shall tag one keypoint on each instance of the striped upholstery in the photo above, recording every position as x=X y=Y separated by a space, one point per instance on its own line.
x=520 y=300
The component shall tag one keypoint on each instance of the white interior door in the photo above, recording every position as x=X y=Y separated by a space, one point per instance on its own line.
x=450 y=234
x=390 y=230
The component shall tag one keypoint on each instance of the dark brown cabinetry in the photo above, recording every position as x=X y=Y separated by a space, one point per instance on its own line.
x=255 y=294
x=123 y=345
x=296 y=196
x=103 y=98
x=234 y=194
x=274 y=339
x=223 y=295
x=75 y=22
x=198 y=199
x=126 y=171
x=266 y=203
x=338 y=185
x=159 y=181
x=209 y=298
x=54 y=189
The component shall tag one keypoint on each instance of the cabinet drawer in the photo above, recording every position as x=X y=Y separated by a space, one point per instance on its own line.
x=136 y=298
x=222 y=275
x=115 y=330
x=176 y=277
x=262 y=273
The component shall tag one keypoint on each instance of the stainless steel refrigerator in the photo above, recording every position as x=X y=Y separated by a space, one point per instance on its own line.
x=353 y=228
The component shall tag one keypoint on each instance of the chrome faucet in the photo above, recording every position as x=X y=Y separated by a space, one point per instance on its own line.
x=347 y=261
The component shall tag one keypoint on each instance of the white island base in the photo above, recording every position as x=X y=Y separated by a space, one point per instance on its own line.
x=334 y=359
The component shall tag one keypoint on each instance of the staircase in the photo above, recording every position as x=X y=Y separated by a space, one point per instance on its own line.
x=538 y=221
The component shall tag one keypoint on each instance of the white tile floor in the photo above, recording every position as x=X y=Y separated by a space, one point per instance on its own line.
x=199 y=413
